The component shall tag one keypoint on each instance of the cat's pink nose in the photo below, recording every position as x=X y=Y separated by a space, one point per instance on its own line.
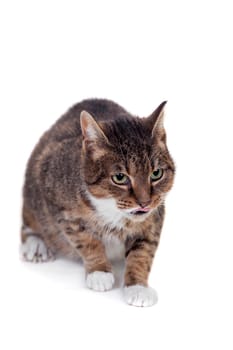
x=144 y=204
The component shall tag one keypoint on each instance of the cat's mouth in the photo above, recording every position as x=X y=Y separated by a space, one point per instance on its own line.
x=140 y=211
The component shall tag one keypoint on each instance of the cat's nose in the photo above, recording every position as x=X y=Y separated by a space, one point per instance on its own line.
x=144 y=204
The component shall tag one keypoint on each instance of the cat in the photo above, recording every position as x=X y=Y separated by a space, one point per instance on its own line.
x=95 y=188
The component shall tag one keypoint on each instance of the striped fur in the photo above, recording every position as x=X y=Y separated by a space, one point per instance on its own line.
x=71 y=202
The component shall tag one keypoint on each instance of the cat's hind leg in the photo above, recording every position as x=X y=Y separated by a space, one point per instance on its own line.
x=33 y=248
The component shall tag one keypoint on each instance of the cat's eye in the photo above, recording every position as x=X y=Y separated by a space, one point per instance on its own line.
x=157 y=174
x=120 y=179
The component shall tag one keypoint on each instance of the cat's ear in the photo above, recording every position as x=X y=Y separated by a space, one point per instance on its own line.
x=93 y=135
x=90 y=129
x=155 y=120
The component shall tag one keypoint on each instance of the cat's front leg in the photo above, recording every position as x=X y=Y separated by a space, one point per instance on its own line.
x=99 y=272
x=139 y=259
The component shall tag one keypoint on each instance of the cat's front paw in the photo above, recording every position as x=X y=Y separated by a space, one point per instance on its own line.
x=138 y=295
x=100 y=281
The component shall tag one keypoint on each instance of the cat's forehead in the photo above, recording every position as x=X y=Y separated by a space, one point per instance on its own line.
x=133 y=149
x=133 y=164
x=128 y=131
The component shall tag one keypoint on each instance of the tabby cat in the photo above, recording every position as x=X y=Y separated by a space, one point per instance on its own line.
x=94 y=188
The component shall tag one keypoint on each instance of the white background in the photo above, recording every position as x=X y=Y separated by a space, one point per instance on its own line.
x=138 y=53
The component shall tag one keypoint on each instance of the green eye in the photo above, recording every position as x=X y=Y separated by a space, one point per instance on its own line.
x=157 y=174
x=120 y=179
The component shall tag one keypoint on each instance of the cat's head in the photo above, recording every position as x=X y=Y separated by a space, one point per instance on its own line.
x=126 y=164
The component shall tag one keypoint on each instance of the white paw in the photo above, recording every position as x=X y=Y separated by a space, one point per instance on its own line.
x=35 y=250
x=100 y=281
x=138 y=295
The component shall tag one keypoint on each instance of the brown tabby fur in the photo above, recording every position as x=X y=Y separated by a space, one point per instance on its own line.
x=67 y=165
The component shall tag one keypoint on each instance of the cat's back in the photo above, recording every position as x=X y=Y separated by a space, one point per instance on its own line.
x=65 y=134
x=101 y=109
x=67 y=128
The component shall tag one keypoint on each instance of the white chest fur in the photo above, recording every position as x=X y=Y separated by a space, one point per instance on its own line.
x=108 y=212
x=115 y=249
x=112 y=217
